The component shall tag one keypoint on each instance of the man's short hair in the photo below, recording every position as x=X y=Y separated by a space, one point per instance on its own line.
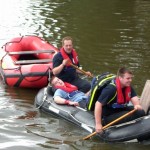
x=66 y=38
x=122 y=71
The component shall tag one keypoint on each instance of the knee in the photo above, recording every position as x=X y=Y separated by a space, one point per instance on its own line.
x=86 y=88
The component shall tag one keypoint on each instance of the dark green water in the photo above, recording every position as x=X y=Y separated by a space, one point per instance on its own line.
x=107 y=34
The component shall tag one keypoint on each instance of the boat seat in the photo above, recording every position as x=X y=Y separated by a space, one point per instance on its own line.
x=35 y=61
x=31 y=52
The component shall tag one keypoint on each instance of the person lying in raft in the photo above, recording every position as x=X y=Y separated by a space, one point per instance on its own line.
x=111 y=103
x=67 y=93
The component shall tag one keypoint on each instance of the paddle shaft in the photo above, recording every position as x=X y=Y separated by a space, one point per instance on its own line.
x=76 y=67
x=111 y=123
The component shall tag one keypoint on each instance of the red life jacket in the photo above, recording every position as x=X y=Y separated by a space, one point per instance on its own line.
x=120 y=98
x=65 y=56
x=67 y=87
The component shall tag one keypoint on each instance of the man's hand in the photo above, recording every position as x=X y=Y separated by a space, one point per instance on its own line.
x=98 y=128
x=73 y=103
x=138 y=107
x=89 y=74
x=65 y=62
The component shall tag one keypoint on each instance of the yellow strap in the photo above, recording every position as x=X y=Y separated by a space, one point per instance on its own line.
x=114 y=95
x=93 y=93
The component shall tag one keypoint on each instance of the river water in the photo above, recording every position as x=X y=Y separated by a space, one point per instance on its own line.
x=107 y=34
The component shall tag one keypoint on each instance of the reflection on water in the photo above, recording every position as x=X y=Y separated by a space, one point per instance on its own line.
x=107 y=34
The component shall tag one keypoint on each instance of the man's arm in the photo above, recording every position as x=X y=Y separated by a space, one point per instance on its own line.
x=63 y=101
x=88 y=73
x=98 y=116
x=60 y=98
x=58 y=69
x=107 y=93
x=136 y=103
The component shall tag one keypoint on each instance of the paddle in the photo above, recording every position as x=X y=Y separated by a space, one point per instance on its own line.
x=111 y=123
x=76 y=67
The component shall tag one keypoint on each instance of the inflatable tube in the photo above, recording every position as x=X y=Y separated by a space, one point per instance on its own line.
x=26 y=62
x=138 y=129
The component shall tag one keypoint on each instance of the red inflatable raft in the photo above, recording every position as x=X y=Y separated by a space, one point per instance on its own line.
x=26 y=62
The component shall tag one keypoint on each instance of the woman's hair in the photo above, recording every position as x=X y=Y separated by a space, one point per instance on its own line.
x=122 y=71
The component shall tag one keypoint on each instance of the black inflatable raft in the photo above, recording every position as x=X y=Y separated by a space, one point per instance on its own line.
x=138 y=129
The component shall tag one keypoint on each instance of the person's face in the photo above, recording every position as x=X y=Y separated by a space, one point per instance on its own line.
x=68 y=46
x=126 y=80
x=57 y=82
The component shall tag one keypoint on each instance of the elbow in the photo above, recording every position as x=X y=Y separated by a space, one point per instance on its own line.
x=54 y=72
x=55 y=99
x=98 y=106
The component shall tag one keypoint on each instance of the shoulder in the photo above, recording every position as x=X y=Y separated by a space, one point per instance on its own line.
x=58 y=56
x=107 y=93
x=109 y=88
x=132 y=89
x=57 y=60
x=133 y=93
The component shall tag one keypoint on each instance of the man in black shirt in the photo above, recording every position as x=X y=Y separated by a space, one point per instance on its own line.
x=63 y=70
x=113 y=100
